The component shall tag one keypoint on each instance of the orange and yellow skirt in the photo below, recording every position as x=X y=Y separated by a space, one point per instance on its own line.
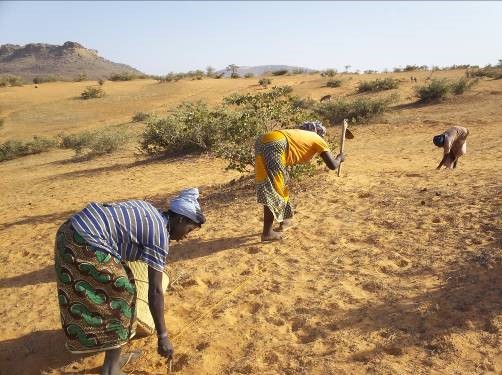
x=271 y=174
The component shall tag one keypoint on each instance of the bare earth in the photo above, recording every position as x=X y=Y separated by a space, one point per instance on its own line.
x=394 y=268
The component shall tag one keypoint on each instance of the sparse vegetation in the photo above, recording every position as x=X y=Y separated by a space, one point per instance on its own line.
x=264 y=82
x=463 y=84
x=94 y=144
x=125 y=76
x=378 y=85
x=489 y=72
x=248 y=75
x=359 y=110
x=81 y=77
x=435 y=90
x=101 y=81
x=44 y=79
x=280 y=72
x=10 y=80
x=15 y=149
x=329 y=73
x=91 y=92
x=140 y=117
x=334 y=83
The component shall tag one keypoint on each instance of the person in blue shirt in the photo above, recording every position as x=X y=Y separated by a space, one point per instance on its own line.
x=96 y=288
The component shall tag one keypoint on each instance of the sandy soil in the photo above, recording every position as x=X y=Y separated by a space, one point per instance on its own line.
x=393 y=268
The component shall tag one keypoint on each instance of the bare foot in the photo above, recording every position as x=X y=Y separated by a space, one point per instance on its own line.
x=273 y=236
x=285 y=225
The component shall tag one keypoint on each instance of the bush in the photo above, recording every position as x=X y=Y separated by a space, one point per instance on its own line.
x=94 y=144
x=280 y=72
x=10 y=80
x=334 y=83
x=435 y=90
x=463 y=84
x=229 y=131
x=15 y=149
x=378 y=85
x=248 y=75
x=329 y=73
x=101 y=82
x=44 y=79
x=359 y=110
x=125 y=76
x=264 y=82
x=81 y=77
x=489 y=72
x=191 y=127
x=92 y=93
x=140 y=116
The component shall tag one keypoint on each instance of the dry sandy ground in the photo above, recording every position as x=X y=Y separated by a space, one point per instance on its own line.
x=394 y=268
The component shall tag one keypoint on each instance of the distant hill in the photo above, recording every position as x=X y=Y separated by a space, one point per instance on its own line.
x=262 y=69
x=65 y=62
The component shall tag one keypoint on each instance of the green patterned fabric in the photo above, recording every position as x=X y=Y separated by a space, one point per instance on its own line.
x=96 y=295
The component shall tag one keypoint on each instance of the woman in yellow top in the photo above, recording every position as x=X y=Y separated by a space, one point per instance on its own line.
x=276 y=150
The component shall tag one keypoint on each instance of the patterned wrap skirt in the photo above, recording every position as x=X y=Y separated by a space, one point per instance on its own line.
x=96 y=293
x=271 y=174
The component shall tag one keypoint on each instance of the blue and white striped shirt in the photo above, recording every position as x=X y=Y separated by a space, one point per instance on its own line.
x=131 y=230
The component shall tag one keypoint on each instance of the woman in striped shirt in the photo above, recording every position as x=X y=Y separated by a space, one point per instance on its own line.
x=96 y=288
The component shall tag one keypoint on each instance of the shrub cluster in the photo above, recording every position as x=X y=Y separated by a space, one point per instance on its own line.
x=334 y=83
x=439 y=89
x=44 y=79
x=91 y=144
x=228 y=130
x=126 y=76
x=378 y=85
x=358 y=110
x=140 y=116
x=10 y=80
x=15 y=149
x=264 y=82
x=280 y=72
x=91 y=92
x=489 y=72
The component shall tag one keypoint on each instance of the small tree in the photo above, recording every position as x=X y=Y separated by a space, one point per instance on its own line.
x=210 y=71
x=264 y=82
x=232 y=68
x=347 y=67
x=92 y=93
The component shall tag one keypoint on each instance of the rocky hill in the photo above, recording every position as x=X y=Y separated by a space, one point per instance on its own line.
x=64 y=62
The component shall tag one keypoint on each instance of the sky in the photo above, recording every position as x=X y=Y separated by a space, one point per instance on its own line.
x=160 y=37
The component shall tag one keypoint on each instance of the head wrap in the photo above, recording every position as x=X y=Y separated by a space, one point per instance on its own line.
x=186 y=204
x=438 y=140
x=314 y=126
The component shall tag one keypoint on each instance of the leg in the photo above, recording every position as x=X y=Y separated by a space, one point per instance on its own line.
x=288 y=218
x=268 y=220
x=455 y=163
x=111 y=365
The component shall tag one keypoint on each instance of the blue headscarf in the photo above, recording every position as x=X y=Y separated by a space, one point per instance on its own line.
x=186 y=204
x=438 y=140
x=314 y=126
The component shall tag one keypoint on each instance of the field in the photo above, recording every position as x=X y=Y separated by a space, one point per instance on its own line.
x=392 y=268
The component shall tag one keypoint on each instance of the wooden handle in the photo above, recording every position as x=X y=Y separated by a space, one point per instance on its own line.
x=342 y=144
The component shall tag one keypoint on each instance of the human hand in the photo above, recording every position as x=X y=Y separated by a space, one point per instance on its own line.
x=165 y=348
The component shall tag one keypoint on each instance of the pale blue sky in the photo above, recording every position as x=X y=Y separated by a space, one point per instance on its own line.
x=158 y=37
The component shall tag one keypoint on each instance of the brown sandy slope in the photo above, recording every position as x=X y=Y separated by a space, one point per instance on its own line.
x=394 y=268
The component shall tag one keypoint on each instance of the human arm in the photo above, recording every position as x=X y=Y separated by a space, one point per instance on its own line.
x=156 y=304
x=330 y=161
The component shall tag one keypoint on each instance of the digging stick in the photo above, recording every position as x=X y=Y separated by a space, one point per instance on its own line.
x=342 y=144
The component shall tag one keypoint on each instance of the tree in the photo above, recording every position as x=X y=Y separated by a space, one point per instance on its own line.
x=232 y=68
x=347 y=68
x=210 y=71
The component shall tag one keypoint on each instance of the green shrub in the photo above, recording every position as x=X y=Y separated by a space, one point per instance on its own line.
x=435 y=90
x=92 y=93
x=81 y=77
x=378 y=85
x=190 y=127
x=94 y=144
x=334 y=83
x=461 y=85
x=489 y=72
x=359 y=110
x=264 y=82
x=140 y=116
x=125 y=76
x=280 y=72
x=329 y=73
x=10 y=80
x=15 y=149
x=44 y=79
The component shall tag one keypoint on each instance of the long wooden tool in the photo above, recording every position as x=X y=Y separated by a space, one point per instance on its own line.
x=342 y=143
